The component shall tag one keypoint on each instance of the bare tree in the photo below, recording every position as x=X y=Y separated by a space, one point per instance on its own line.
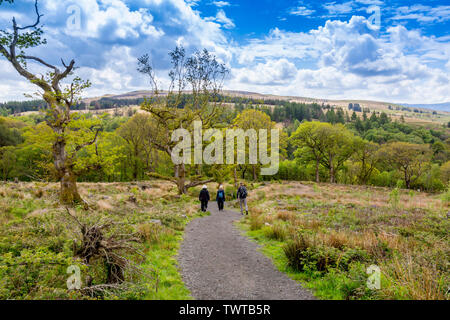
x=193 y=95
x=13 y=44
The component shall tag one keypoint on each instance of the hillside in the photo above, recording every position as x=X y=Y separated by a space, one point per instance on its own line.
x=421 y=114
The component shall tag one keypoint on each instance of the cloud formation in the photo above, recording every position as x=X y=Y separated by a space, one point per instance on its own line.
x=342 y=58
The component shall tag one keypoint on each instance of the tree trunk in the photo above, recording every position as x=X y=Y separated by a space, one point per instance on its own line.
x=235 y=177
x=332 y=179
x=317 y=171
x=135 y=164
x=180 y=175
x=255 y=177
x=69 y=192
x=407 y=181
x=243 y=173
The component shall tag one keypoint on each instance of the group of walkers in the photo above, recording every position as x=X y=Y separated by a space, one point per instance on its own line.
x=241 y=195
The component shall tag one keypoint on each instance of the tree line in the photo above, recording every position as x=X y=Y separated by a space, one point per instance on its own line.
x=318 y=142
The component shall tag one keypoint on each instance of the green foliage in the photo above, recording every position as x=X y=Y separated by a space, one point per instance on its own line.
x=38 y=242
x=276 y=232
x=305 y=255
x=446 y=196
x=394 y=198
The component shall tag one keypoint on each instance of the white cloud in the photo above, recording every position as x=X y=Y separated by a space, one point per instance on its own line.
x=222 y=18
x=113 y=36
x=348 y=60
x=221 y=4
x=421 y=13
x=339 y=8
x=272 y=72
x=340 y=59
x=301 y=11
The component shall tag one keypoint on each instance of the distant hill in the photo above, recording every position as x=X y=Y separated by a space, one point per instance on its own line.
x=437 y=107
x=374 y=105
x=414 y=113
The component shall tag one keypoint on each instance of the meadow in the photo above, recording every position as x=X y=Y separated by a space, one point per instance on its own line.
x=39 y=240
x=326 y=236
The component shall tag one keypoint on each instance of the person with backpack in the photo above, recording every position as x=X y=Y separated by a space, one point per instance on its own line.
x=242 y=197
x=204 y=198
x=220 y=198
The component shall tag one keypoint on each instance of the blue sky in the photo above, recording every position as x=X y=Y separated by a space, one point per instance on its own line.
x=395 y=51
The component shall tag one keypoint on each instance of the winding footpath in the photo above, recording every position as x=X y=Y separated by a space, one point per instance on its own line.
x=218 y=263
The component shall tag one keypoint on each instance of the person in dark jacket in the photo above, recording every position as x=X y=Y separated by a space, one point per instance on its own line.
x=242 y=198
x=220 y=198
x=204 y=198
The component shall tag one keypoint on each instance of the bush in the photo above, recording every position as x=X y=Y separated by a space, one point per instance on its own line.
x=294 y=251
x=394 y=198
x=303 y=255
x=445 y=197
x=276 y=232
x=230 y=192
x=150 y=232
x=256 y=222
x=33 y=273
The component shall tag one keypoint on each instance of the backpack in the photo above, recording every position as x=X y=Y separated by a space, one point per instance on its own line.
x=221 y=195
x=243 y=193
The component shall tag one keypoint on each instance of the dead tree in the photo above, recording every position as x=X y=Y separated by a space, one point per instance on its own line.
x=109 y=249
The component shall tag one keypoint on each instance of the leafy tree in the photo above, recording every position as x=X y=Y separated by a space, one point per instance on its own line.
x=13 y=44
x=366 y=157
x=9 y=135
x=8 y=161
x=384 y=118
x=310 y=139
x=105 y=160
x=440 y=152
x=257 y=120
x=337 y=149
x=445 y=173
x=410 y=159
x=203 y=75
x=137 y=133
x=34 y=156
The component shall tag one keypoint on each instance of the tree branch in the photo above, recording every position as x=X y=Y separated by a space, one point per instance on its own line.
x=161 y=177
x=198 y=183
x=40 y=61
x=38 y=20
x=79 y=147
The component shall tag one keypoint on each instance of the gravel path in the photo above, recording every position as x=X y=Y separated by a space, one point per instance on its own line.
x=218 y=263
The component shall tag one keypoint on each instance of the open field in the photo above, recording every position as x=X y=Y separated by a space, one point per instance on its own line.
x=39 y=240
x=326 y=236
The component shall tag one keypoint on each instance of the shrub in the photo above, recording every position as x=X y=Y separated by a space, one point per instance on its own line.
x=230 y=192
x=294 y=252
x=394 y=198
x=256 y=222
x=286 y=216
x=150 y=232
x=445 y=197
x=304 y=255
x=261 y=194
x=276 y=232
